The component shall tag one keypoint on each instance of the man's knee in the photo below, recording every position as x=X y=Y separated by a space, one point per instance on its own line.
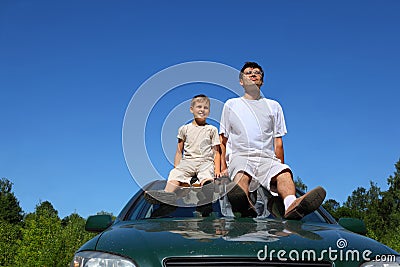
x=285 y=185
x=242 y=177
x=284 y=176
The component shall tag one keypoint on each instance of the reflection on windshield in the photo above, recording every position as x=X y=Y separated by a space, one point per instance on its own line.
x=265 y=230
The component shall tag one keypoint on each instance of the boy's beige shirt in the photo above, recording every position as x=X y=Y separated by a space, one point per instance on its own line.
x=198 y=141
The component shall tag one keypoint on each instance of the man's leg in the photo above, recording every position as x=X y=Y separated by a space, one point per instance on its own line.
x=284 y=184
x=238 y=195
x=297 y=208
x=243 y=180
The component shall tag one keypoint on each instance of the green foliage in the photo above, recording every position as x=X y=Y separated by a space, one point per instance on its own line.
x=337 y=211
x=331 y=206
x=10 y=210
x=41 y=238
x=392 y=239
x=49 y=241
x=46 y=209
x=300 y=185
x=9 y=236
x=73 y=236
x=391 y=199
x=379 y=210
x=383 y=214
x=357 y=202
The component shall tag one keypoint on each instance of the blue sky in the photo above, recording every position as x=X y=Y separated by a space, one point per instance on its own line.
x=70 y=69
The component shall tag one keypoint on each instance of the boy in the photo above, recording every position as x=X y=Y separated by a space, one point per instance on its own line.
x=197 y=154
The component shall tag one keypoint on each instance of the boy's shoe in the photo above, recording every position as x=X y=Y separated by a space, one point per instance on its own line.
x=206 y=193
x=160 y=196
x=305 y=204
x=240 y=203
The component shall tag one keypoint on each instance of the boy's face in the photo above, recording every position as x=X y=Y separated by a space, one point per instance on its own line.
x=200 y=109
x=251 y=77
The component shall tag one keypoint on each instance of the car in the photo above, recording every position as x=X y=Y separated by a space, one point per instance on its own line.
x=210 y=234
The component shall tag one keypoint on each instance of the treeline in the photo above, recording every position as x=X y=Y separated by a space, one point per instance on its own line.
x=40 y=238
x=380 y=210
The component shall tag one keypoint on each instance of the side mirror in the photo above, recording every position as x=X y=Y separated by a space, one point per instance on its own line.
x=354 y=225
x=98 y=223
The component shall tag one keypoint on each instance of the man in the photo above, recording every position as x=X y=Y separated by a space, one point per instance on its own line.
x=252 y=127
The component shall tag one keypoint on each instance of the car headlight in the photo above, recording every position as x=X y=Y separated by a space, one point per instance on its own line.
x=96 y=259
x=383 y=261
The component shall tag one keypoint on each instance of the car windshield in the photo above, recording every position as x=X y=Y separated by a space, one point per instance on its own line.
x=267 y=206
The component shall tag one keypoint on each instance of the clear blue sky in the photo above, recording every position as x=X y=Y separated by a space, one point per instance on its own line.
x=69 y=69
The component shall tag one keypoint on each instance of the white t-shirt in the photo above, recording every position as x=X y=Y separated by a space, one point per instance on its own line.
x=252 y=125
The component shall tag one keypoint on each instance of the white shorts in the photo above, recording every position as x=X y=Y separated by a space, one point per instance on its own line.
x=261 y=169
x=186 y=169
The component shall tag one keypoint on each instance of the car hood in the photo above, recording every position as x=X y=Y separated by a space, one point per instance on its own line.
x=148 y=242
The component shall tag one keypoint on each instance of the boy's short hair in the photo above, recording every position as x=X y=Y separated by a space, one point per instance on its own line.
x=252 y=65
x=201 y=98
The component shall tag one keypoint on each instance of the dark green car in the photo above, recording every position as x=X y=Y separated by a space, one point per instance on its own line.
x=147 y=234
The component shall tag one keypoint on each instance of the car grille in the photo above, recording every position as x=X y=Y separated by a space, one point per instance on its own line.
x=236 y=262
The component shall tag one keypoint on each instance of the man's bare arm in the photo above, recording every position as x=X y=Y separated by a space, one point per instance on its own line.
x=279 y=151
x=224 y=166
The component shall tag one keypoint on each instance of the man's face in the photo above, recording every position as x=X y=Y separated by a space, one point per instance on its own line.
x=251 y=77
x=200 y=109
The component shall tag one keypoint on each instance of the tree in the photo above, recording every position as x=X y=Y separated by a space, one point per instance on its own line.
x=10 y=210
x=357 y=203
x=300 y=185
x=391 y=198
x=10 y=235
x=73 y=236
x=41 y=238
x=373 y=216
x=46 y=209
x=331 y=206
x=389 y=211
x=10 y=223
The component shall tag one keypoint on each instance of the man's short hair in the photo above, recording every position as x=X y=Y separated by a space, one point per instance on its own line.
x=252 y=65
x=201 y=98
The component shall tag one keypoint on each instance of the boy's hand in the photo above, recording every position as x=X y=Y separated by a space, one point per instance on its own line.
x=224 y=172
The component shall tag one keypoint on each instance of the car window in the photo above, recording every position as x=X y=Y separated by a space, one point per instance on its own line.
x=267 y=205
x=145 y=210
